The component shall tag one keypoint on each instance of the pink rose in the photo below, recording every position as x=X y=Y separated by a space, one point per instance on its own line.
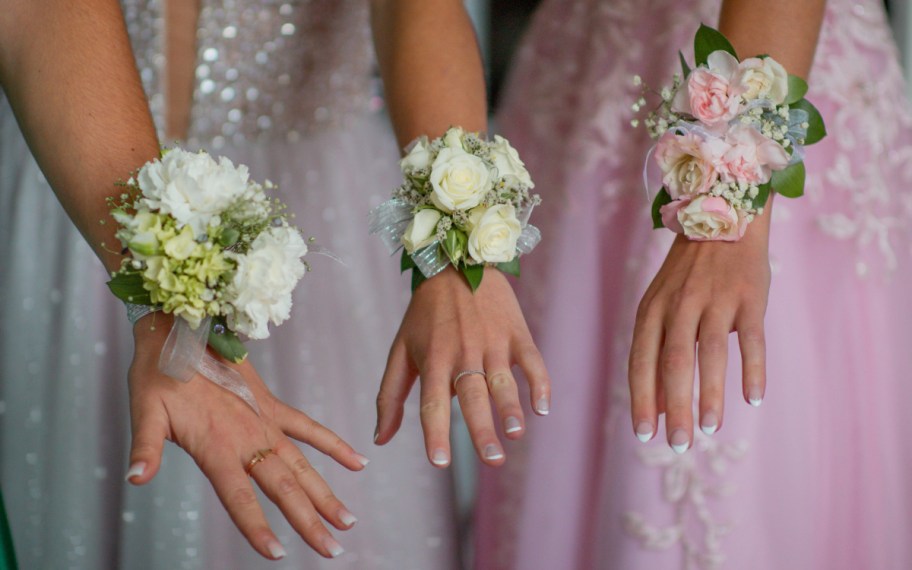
x=712 y=95
x=748 y=156
x=687 y=164
x=704 y=218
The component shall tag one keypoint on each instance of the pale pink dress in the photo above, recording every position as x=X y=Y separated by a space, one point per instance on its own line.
x=818 y=476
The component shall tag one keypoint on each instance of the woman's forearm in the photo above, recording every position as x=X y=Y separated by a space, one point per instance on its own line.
x=431 y=66
x=68 y=71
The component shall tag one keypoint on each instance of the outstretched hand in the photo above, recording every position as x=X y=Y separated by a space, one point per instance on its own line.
x=223 y=435
x=448 y=330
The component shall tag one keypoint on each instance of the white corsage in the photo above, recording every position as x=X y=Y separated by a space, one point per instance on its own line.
x=465 y=202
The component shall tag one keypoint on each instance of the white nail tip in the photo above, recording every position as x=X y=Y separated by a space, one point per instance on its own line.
x=644 y=437
x=362 y=460
x=136 y=470
x=709 y=430
x=755 y=402
x=335 y=549
x=542 y=407
x=276 y=550
x=491 y=453
x=512 y=425
x=347 y=518
x=680 y=448
x=513 y=429
x=440 y=458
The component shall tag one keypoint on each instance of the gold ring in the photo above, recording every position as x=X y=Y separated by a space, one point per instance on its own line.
x=468 y=373
x=260 y=455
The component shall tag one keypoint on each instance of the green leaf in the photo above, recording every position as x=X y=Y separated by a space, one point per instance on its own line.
x=798 y=88
x=685 y=69
x=417 y=278
x=762 y=196
x=128 y=286
x=406 y=262
x=789 y=182
x=709 y=40
x=510 y=267
x=227 y=344
x=454 y=245
x=473 y=274
x=229 y=237
x=816 y=128
x=661 y=199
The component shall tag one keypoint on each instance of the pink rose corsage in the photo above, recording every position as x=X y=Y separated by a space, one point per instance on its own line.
x=728 y=132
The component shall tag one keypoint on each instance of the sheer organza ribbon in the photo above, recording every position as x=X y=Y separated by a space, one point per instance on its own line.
x=390 y=220
x=185 y=355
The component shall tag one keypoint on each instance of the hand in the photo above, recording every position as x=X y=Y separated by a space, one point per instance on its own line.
x=703 y=291
x=448 y=329
x=222 y=434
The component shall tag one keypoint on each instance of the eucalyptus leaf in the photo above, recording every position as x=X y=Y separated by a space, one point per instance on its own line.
x=709 y=40
x=816 y=128
x=762 y=196
x=128 y=287
x=473 y=274
x=661 y=199
x=406 y=262
x=227 y=343
x=797 y=89
x=789 y=182
x=510 y=267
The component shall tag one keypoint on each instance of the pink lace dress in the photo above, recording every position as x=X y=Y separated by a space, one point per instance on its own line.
x=817 y=477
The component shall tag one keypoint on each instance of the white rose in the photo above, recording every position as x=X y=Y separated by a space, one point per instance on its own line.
x=418 y=157
x=508 y=163
x=266 y=275
x=422 y=231
x=453 y=137
x=762 y=78
x=460 y=180
x=192 y=187
x=494 y=234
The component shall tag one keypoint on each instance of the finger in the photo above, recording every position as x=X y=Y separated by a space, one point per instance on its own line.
x=712 y=351
x=435 y=416
x=150 y=429
x=283 y=489
x=678 y=362
x=320 y=494
x=753 y=354
x=474 y=399
x=503 y=389
x=398 y=379
x=660 y=390
x=300 y=426
x=236 y=493
x=643 y=365
x=532 y=364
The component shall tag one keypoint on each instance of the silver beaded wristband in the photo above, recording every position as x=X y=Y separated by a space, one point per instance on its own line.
x=136 y=312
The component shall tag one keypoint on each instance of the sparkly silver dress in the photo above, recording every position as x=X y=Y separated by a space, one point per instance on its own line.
x=287 y=88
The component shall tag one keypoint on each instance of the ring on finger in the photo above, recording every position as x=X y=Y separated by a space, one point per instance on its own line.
x=465 y=373
x=259 y=456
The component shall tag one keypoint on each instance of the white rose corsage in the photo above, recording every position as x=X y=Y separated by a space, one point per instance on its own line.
x=729 y=132
x=465 y=201
x=206 y=244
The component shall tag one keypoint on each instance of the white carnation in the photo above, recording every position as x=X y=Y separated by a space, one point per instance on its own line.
x=266 y=275
x=192 y=187
x=509 y=165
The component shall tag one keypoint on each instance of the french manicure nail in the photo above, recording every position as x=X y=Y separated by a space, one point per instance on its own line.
x=136 y=470
x=755 y=396
x=362 y=460
x=276 y=550
x=512 y=425
x=376 y=434
x=347 y=518
x=710 y=423
x=492 y=452
x=542 y=406
x=644 y=431
x=679 y=441
x=440 y=457
x=335 y=549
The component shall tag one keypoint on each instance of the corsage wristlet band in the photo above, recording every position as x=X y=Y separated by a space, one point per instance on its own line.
x=208 y=246
x=465 y=202
x=729 y=132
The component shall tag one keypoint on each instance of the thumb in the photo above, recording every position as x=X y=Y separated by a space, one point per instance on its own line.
x=149 y=433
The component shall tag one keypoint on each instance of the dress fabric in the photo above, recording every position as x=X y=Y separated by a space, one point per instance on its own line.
x=814 y=478
x=288 y=88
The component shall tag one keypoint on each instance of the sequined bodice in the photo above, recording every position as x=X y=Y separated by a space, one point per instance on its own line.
x=269 y=69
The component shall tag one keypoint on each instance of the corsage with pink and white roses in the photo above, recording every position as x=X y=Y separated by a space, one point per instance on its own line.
x=728 y=133
x=465 y=202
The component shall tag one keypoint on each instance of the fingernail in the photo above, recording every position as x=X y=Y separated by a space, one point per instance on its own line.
x=512 y=425
x=492 y=452
x=347 y=518
x=276 y=550
x=136 y=470
x=679 y=441
x=440 y=457
x=755 y=396
x=710 y=423
x=376 y=434
x=644 y=431
x=542 y=406
x=362 y=460
x=335 y=549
